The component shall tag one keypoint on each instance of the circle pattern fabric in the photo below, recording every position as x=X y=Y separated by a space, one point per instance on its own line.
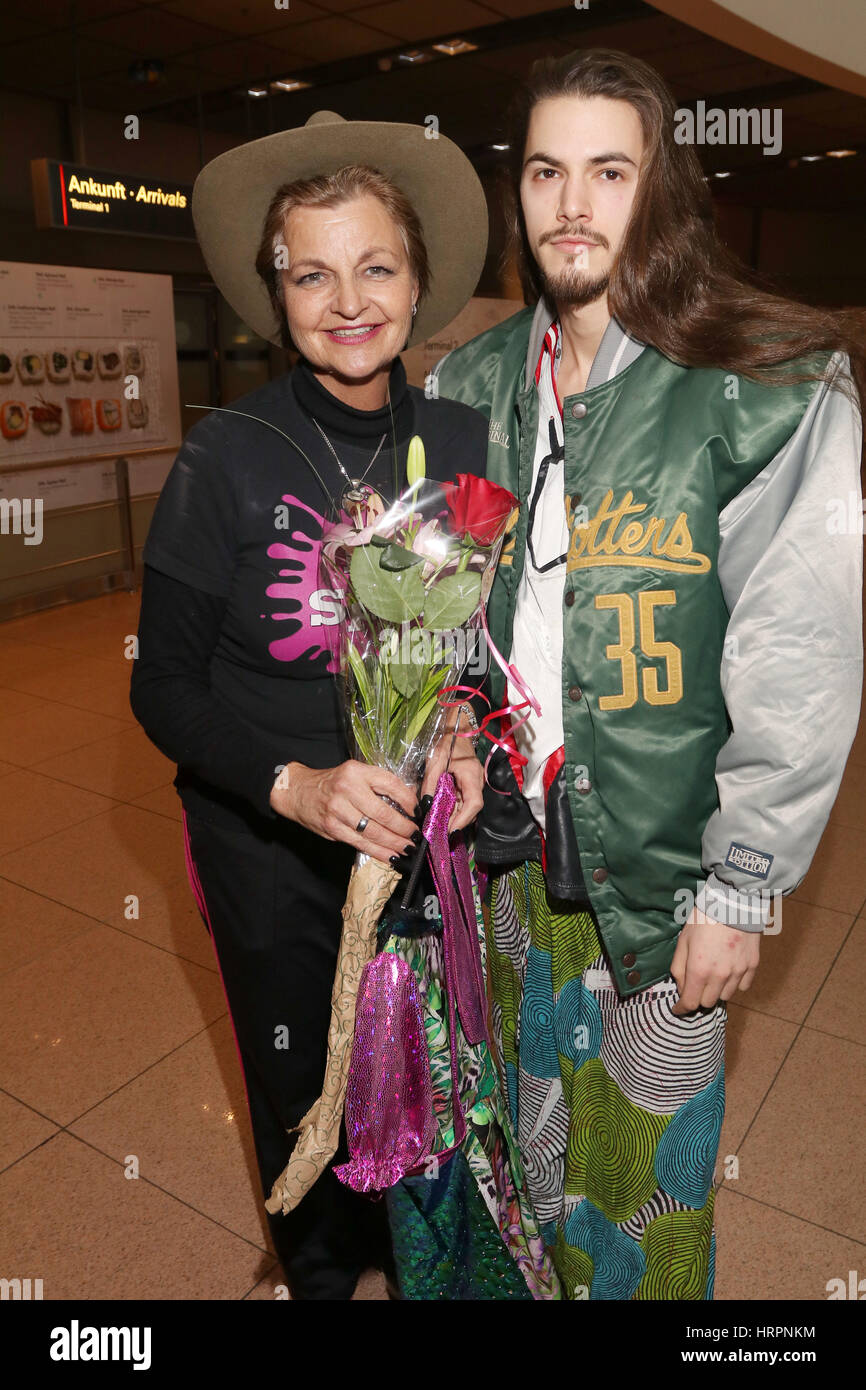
x=617 y=1103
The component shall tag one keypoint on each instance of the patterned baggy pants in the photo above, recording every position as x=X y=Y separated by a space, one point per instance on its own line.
x=617 y=1102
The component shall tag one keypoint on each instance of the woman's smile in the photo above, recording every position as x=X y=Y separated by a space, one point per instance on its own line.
x=361 y=333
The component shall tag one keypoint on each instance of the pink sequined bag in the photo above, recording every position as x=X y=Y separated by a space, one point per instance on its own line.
x=389 y=1098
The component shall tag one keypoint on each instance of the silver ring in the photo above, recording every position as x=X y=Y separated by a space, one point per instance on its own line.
x=362 y=825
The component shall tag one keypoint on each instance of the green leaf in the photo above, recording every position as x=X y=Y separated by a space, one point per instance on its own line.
x=359 y=671
x=427 y=701
x=452 y=601
x=395 y=595
x=362 y=736
x=397 y=557
x=407 y=676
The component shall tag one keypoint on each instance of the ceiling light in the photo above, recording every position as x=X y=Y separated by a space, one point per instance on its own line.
x=454 y=46
x=290 y=84
x=147 y=70
x=500 y=147
x=840 y=154
x=257 y=91
x=413 y=55
x=810 y=158
x=722 y=174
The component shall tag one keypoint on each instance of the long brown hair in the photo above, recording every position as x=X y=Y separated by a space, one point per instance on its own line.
x=674 y=284
x=330 y=191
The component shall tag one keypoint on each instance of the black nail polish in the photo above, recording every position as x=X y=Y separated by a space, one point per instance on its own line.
x=410 y=849
x=416 y=838
x=395 y=860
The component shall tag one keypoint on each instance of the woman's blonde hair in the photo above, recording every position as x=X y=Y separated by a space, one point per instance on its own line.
x=329 y=191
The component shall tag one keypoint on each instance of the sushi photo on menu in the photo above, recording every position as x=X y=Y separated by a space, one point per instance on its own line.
x=66 y=398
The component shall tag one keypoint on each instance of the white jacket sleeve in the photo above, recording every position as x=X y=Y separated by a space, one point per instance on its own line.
x=790 y=567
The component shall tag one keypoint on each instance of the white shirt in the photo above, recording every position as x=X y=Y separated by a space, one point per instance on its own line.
x=536 y=648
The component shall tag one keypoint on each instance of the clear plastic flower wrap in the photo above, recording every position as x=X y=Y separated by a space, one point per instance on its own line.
x=413 y=580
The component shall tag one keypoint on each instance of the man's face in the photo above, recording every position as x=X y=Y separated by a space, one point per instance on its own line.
x=580 y=174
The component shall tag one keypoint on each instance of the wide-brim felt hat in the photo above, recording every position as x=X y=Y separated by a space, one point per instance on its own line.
x=233 y=192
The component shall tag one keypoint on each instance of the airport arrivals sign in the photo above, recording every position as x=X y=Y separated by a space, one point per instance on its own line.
x=94 y=200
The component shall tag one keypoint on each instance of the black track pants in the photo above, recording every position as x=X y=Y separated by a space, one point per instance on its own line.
x=273 y=907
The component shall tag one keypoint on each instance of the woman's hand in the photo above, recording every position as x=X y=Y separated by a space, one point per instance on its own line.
x=468 y=776
x=331 y=802
x=711 y=962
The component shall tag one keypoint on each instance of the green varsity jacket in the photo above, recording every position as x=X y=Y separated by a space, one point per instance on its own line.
x=711 y=624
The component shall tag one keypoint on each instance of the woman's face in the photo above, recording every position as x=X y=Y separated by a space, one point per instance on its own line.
x=348 y=288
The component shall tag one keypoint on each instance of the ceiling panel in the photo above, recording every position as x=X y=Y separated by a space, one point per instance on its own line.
x=160 y=37
x=425 y=18
x=517 y=9
x=54 y=14
x=251 y=17
x=39 y=65
x=742 y=75
x=356 y=8
x=691 y=59
x=324 y=40
x=238 y=60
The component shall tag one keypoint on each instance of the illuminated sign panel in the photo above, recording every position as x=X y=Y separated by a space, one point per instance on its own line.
x=95 y=200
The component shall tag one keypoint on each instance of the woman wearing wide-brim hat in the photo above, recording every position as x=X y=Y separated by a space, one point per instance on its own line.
x=348 y=241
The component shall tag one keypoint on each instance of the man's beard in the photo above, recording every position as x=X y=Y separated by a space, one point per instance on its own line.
x=572 y=288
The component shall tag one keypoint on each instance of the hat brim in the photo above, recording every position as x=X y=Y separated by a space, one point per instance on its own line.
x=232 y=194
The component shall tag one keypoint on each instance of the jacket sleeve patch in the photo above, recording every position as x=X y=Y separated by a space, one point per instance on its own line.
x=748 y=861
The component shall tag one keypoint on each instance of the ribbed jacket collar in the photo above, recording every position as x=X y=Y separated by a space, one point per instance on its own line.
x=616 y=351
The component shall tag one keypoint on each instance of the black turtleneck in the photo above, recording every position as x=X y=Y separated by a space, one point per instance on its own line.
x=232 y=678
x=338 y=418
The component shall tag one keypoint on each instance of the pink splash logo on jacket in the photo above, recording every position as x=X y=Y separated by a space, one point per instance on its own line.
x=315 y=607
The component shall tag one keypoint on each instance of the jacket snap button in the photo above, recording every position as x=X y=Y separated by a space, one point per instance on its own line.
x=583 y=785
x=633 y=977
x=600 y=876
x=578 y=410
x=629 y=958
x=569 y=598
x=574 y=692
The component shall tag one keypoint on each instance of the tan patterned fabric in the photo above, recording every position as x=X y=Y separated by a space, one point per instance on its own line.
x=370 y=887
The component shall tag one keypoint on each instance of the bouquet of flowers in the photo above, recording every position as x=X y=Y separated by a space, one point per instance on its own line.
x=413 y=579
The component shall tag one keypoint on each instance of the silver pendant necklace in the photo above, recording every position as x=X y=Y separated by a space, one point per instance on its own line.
x=353 y=492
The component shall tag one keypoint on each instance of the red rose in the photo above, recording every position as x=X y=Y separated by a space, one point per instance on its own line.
x=478 y=508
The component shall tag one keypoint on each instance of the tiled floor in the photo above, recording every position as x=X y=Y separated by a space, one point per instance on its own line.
x=115 y=1040
x=116 y=1045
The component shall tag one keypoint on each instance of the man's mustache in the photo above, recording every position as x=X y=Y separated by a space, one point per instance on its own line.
x=577 y=234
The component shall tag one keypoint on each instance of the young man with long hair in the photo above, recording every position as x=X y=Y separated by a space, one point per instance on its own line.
x=681 y=594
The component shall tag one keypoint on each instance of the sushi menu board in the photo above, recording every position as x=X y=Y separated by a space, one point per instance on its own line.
x=88 y=363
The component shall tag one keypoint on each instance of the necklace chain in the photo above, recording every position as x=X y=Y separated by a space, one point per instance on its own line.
x=351 y=482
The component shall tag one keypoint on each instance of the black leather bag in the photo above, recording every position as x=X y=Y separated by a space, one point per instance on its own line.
x=507 y=833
